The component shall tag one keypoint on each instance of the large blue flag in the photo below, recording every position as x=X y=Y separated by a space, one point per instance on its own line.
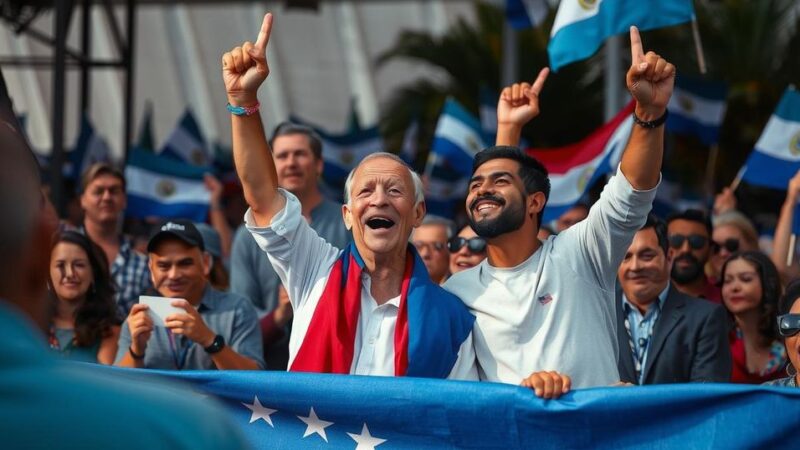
x=581 y=26
x=90 y=148
x=163 y=187
x=186 y=143
x=523 y=14
x=697 y=107
x=278 y=410
x=776 y=157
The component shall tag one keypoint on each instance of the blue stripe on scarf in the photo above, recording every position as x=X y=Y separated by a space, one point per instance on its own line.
x=438 y=321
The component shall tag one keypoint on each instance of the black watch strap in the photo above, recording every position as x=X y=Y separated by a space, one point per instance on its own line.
x=653 y=123
x=217 y=345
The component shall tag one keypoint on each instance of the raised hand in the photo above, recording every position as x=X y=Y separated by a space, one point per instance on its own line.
x=724 y=201
x=650 y=80
x=244 y=68
x=140 y=326
x=793 y=190
x=214 y=188
x=519 y=103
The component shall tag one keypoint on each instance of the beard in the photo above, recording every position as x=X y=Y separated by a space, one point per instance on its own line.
x=690 y=272
x=510 y=219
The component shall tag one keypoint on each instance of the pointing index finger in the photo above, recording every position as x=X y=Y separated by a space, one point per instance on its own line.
x=263 y=34
x=537 y=86
x=637 y=52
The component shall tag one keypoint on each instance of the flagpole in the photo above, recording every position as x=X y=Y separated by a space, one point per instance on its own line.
x=737 y=180
x=790 y=253
x=698 y=46
x=613 y=69
x=711 y=168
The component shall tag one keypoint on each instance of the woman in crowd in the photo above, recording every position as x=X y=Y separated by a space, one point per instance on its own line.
x=84 y=325
x=466 y=250
x=789 y=327
x=750 y=291
x=733 y=232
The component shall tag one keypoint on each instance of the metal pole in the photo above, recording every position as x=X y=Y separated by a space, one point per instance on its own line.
x=86 y=48
x=612 y=81
x=61 y=25
x=510 y=66
x=129 y=66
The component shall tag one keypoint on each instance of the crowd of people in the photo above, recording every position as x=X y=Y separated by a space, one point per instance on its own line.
x=609 y=295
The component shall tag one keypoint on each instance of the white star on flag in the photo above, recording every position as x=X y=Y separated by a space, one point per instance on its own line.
x=366 y=441
x=260 y=412
x=315 y=425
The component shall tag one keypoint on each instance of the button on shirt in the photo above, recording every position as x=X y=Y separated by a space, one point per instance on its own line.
x=303 y=261
x=642 y=326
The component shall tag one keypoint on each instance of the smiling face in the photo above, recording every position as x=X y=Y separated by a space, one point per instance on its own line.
x=464 y=259
x=179 y=270
x=104 y=199
x=721 y=235
x=688 y=261
x=644 y=271
x=70 y=272
x=298 y=169
x=496 y=202
x=741 y=287
x=382 y=210
x=430 y=241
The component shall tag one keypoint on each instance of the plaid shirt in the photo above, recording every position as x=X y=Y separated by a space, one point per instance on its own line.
x=131 y=274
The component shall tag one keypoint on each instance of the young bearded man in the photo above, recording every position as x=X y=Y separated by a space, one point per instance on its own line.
x=545 y=310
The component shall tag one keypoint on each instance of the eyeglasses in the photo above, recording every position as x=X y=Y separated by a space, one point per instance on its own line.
x=731 y=245
x=788 y=324
x=696 y=241
x=474 y=245
x=436 y=245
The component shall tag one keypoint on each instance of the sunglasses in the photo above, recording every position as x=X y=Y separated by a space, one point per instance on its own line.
x=436 y=246
x=696 y=241
x=474 y=245
x=731 y=245
x=788 y=324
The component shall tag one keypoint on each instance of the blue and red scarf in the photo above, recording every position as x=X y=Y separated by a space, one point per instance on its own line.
x=431 y=322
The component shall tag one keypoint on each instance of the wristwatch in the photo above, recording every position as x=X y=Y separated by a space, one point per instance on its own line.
x=217 y=345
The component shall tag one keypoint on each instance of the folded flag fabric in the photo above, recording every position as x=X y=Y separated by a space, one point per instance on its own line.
x=164 y=187
x=342 y=152
x=776 y=156
x=523 y=14
x=279 y=410
x=581 y=26
x=89 y=148
x=575 y=168
x=697 y=107
x=186 y=143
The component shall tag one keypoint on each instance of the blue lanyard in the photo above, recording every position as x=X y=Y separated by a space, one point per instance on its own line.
x=179 y=359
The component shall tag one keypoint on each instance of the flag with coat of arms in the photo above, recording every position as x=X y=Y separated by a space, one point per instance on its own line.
x=186 y=143
x=697 y=107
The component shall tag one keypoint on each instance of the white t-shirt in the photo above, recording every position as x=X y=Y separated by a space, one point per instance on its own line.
x=303 y=261
x=555 y=311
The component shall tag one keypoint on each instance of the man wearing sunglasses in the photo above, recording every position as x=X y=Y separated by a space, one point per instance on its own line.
x=467 y=250
x=430 y=240
x=690 y=248
x=789 y=329
x=545 y=310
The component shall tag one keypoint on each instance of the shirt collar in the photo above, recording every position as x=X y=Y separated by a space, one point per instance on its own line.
x=210 y=299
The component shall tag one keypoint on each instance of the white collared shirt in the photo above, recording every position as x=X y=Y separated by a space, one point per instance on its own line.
x=303 y=261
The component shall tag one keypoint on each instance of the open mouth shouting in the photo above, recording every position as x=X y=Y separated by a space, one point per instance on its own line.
x=380 y=223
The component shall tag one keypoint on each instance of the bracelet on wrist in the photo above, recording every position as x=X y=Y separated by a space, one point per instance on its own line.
x=134 y=355
x=653 y=123
x=243 y=110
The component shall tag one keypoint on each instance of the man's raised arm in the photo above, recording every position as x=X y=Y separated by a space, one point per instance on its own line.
x=243 y=70
x=650 y=80
x=518 y=105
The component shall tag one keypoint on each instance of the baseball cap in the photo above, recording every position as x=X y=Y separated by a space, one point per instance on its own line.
x=181 y=229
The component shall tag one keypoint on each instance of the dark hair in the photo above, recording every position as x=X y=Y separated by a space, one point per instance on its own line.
x=98 y=312
x=692 y=215
x=770 y=291
x=660 y=228
x=532 y=172
x=99 y=169
x=287 y=128
x=790 y=296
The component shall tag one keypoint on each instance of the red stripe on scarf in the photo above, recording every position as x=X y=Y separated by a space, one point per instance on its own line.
x=328 y=344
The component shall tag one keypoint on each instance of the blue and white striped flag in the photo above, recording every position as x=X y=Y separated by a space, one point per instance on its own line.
x=776 y=157
x=186 y=143
x=163 y=187
x=523 y=14
x=89 y=148
x=341 y=153
x=581 y=26
x=697 y=107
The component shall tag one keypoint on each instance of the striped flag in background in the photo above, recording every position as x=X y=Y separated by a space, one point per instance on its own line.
x=697 y=107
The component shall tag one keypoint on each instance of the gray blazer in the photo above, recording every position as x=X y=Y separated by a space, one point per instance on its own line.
x=690 y=343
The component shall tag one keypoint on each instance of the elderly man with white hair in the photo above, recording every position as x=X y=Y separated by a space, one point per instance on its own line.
x=371 y=308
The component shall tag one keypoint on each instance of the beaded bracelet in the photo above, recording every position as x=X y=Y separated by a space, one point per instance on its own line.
x=653 y=123
x=243 y=110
